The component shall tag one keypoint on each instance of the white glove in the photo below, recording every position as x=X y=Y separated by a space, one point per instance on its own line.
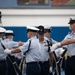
x=55 y=46
x=50 y=69
x=7 y=51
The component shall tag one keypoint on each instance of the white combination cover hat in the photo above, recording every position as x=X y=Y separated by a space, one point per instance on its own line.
x=9 y=32
x=2 y=30
x=32 y=28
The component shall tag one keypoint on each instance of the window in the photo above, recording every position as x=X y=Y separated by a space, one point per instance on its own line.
x=37 y=3
x=32 y=2
x=62 y=2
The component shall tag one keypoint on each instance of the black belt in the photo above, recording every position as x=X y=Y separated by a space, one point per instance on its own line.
x=71 y=56
x=37 y=62
x=43 y=61
x=2 y=60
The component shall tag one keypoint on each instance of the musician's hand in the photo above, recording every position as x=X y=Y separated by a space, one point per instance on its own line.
x=20 y=43
x=7 y=51
x=55 y=46
x=50 y=69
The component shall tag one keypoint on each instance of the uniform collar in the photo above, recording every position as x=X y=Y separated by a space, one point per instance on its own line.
x=46 y=38
x=71 y=33
x=8 y=40
x=33 y=38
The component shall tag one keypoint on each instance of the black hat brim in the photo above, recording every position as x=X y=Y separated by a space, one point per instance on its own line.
x=71 y=22
x=47 y=30
x=41 y=33
x=28 y=30
x=8 y=34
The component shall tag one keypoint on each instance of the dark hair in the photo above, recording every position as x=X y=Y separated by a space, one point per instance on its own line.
x=41 y=29
x=47 y=30
x=71 y=21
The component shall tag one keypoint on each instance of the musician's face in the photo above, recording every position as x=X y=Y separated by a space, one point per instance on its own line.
x=1 y=35
x=47 y=34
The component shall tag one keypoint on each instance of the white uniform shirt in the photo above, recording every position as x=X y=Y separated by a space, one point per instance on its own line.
x=50 y=39
x=70 y=47
x=33 y=55
x=10 y=44
x=59 y=51
x=2 y=55
x=44 y=50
